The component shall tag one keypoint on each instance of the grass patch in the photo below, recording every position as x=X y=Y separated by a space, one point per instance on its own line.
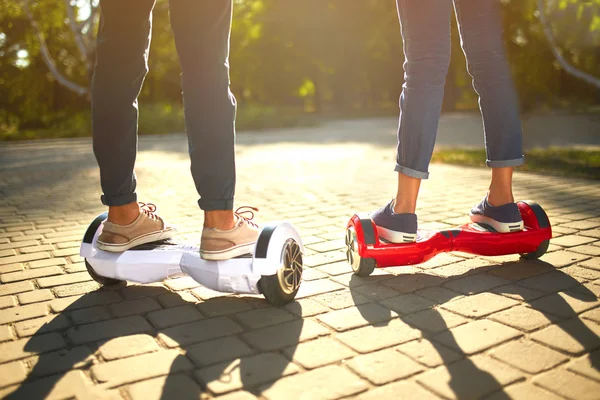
x=164 y=118
x=555 y=161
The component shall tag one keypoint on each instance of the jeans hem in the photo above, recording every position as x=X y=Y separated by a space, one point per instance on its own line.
x=505 y=163
x=118 y=200
x=411 y=172
x=214 y=205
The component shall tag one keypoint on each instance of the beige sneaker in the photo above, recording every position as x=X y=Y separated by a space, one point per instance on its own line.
x=148 y=227
x=217 y=244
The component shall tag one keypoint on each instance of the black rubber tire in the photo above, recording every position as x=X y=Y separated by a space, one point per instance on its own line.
x=540 y=251
x=101 y=279
x=366 y=267
x=270 y=288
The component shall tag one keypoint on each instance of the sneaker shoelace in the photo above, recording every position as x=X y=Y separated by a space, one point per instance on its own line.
x=246 y=210
x=149 y=209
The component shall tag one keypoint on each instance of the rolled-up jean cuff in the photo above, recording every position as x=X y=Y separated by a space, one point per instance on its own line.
x=411 y=172
x=505 y=163
x=118 y=200
x=214 y=205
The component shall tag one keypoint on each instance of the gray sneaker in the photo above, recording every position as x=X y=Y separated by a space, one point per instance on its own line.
x=217 y=244
x=505 y=218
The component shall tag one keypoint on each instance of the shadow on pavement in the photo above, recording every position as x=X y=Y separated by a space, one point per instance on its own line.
x=466 y=379
x=180 y=374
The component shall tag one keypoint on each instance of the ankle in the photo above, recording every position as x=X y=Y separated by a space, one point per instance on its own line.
x=123 y=215
x=499 y=198
x=404 y=207
x=219 y=219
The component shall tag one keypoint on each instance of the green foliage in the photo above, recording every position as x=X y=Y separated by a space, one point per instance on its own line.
x=314 y=56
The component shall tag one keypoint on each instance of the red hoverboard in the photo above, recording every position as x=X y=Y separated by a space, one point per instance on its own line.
x=365 y=251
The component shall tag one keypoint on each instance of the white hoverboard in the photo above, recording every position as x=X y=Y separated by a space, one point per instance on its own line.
x=274 y=270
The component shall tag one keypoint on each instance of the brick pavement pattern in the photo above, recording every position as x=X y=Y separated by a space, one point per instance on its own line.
x=458 y=326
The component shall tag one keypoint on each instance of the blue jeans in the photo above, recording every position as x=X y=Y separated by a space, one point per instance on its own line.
x=425 y=28
x=202 y=30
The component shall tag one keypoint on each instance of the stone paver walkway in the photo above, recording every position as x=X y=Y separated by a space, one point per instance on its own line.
x=457 y=326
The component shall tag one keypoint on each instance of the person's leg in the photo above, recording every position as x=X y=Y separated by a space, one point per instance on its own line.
x=121 y=65
x=425 y=29
x=480 y=26
x=202 y=30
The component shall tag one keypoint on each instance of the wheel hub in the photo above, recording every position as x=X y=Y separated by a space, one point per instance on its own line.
x=290 y=274
x=352 y=249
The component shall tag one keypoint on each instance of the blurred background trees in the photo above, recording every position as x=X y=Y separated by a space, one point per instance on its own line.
x=288 y=58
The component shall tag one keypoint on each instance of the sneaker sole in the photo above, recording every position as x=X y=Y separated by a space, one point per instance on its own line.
x=227 y=254
x=147 y=238
x=501 y=227
x=396 y=237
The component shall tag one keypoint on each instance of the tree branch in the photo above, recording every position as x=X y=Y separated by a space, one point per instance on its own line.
x=76 y=32
x=48 y=60
x=592 y=80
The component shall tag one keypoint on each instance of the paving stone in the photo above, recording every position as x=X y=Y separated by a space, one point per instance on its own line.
x=407 y=283
x=476 y=283
x=88 y=300
x=580 y=272
x=353 y=317
x=528 y=356
x=223 y=306
x=595 y=233
x=407 y=304
x=341 y=299
x=405 y=390
x=518 y=292
x=134 y=307
x=321 y=383
x=132 y=369
x=479 y=305
x=19 y=349
x=319 y=352
x=571 y=241
x=586 y=249
x=524 y=318
x=183 y=283
x=337 y=268
x=89 y=315
x=573 y=336
x=593 y=315
x=174 y=386
x=21 y=313
x=37 y=326
x=565 y=304
x=384 y=366
x=378 y=336
x=550 y=282
x=174 y=316
x=476 y=336
x=203 y=293
x=127 y=346
x=198 y=331
x=61 y=361
x=24 y=258
x=6 y=333
x=439 y=294
x=263 y=317
x=12 y=373
x=434 y=320
x=50 y=262
x=7 y=301
x=469 y=378
x=306 y=308
x=35 y=297
x=11 y=268
x=73 y=384
x=15 y=245
x=524 y=391
x=319 y=286
x=521 y=270
x=587 y=365
x=7 y=253
x=64 y=279
x=15 y=288
x=593 y=263
x=35 y=249
x=428 y=353
x=569 y=384
x=375 y=292
x=279 y=336
x=245 y=372
x=218 y=350
x=108 y=329
x=76 y=289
